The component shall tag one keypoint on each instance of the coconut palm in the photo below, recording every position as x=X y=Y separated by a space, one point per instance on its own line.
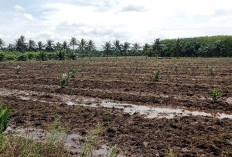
x=90 y=46
x=147 y=50
x=49 y=45
x=40 y=45
x=117 y=47
x=31 y=45
x=126 y=47
x=135 y=48
x=107 y=48
x=82 y=45
x=73 y=42
x=20 y=44
x=65 y=45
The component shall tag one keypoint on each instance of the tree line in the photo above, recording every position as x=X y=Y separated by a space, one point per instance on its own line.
x=214 y=46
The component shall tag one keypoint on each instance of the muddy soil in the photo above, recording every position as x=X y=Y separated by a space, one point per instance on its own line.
x=128 y=80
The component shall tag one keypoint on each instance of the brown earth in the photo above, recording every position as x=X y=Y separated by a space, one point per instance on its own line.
x=131 y=80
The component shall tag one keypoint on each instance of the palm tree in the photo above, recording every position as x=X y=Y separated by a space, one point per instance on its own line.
x=90 y=46
x=117 y=47
x=126 y=47
x=107 y=48
x=1 y=43
x=20 y=44
x=49 y=45
x=135 y=48
x=146 y=50
x=58 y=46
x=82 y=45
x=31 y=45
x=40 y=45
x=65 y=45
x=73 y=42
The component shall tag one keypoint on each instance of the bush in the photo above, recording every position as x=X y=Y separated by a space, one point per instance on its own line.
x=22 y=57
x=2 y=56
x=31 y=55
x=72 y=55
x=51 y=55
x=42 y=56
x=60 y=55
x=10 y=57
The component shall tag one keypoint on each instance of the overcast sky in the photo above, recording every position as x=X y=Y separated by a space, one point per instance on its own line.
x=104 y=20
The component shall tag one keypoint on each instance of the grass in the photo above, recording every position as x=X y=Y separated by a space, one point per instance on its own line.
x=4 y=115
x=113 y=151
x=14 y=146
x=91 y=141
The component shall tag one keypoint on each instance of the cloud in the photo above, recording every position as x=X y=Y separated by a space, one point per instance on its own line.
x=106 y=20
x=28 y=16
x=134 y=8
x=19 y=8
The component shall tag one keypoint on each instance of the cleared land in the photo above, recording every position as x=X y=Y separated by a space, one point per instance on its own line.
x=35 y=98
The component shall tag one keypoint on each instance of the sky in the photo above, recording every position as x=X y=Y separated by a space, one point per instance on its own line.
x=106 y=20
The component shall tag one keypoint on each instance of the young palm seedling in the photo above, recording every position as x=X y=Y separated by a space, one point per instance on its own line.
x=17 y=69
x=4 y=114
x=176 y=67
x=72 y=73
x=211 y=70
x=157 y=75
x=215 y=95
x=63 y=80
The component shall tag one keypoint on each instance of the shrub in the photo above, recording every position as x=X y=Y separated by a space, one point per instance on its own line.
x=60 y=55
x=31 y=55
x=72 y=55
x=157 y=75
x=2 y=56
x=22 y=57
x=215 y=95
x=4 y=115
x=42 y=56
x=63 y=80
x=10 y=57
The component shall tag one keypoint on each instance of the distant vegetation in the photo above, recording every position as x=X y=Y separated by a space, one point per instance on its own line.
x=22 y=50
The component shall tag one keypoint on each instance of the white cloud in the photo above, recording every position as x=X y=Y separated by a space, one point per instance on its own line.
x=19 y=8
x=28 y=16
x=130 y=20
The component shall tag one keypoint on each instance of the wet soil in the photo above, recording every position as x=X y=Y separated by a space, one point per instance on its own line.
x=118 y=80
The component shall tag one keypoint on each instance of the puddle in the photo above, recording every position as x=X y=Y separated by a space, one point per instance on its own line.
x=72 y=142
x=146 y=111
x=154 y=112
